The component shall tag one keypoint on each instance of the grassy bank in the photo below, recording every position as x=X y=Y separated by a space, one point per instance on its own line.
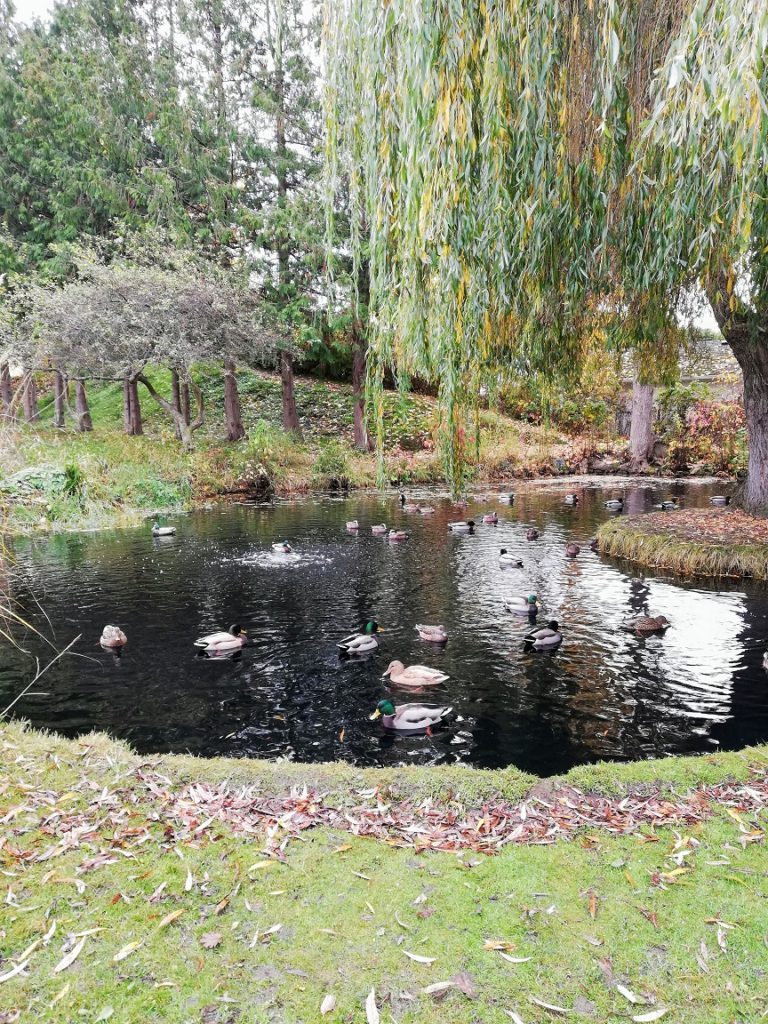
x=180 y=890
x=696 y=542
x=60 y=479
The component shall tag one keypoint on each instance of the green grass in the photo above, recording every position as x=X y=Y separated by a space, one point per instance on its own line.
x=342 y=934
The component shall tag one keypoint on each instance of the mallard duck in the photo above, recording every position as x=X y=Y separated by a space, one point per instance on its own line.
x=113 y=636
x=572 y=550
x=505 y=497
x=765 y=661
x=571 y=499
x=426 y=510
x=397 y=535
x=282 y=548
x=410 y=507
x=532 y=535
x=362 y=642
x=229 y=641
x=720 y=499
x=507 y=559
x=353 y=525
x=380 y=528
x=614 y=504
x=413 y=675
x=648 y=623
x=435 y=634
x=593 y=546
x=522 y=605
x=402 y=498
x=490 y=518
x=462 y=527
x=409 y=717
x=545 y=636
x=667 y=506
x=163 y=531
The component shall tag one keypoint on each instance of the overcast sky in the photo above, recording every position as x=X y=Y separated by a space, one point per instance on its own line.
x=28 y=10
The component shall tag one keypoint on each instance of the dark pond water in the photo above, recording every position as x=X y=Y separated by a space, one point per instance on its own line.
x=605 y=693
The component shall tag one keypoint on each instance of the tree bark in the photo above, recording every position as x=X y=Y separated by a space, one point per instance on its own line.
x=746 y=331
x=641 y=439
x=176 y=395
x=132 y=424
x=185 y=429
x=6 y=391
x=359 y=352
x=185 y=404
x=29 y=397
x=290 y=415
x=232 y=409
x=58 y=398
x=82 y=412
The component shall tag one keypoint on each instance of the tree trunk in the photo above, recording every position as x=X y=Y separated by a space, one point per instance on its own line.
x=132 y=424
x=185 y=409
x=290 y=415
x=176 y=395
x=359 y=351
x=232 y=411
x=185 y=429
x=6 y=391
x=29 y=396
x=59 y=386
x=82 y=412
x=641 y=439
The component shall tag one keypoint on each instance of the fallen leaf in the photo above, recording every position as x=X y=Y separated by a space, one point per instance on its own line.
x=548 y=1006
x=14 y=971
x=127 y=950
x=189 y=882
x=361 y=875
x=438 y=986
x=514 y=959
x=371 y=1012
x=210 y=940
x=59 y=995
x=260 y=865
x=584 y=1006
x=592 y=905
x=70 y=958
x=105 y=1014
x=516 y=1018
x=463 y=981
x=328 y=1003
x=642 y=1018
x=593 y=941
x=498 y=944
x=343 y=848
x=628 y=994
x=420 y=959
x=170 y=918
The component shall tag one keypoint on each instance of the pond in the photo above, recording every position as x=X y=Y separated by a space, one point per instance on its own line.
x=605 y=693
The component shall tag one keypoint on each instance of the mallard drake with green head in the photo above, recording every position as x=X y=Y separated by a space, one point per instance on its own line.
x=522 y=605
x=410 y=717
x=362 y=642
x=505 y=558
x=544 y=636
x=224 y=641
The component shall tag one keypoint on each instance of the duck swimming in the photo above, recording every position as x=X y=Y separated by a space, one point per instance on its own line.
x=505 y=497
x=409 y=717
x=426 y=510
x=648 y=623
x=113 y=636
x=720 y=499
x=380 y=528
x=434 y=634
x=490 y=518
x=363 y=642
x=532 y=535
x=545 y=636
x=282 y=548
x=572 y=550
x=353 y=525
x=614 y=504
x=414 y=675
x=462 y=527
x=397 y=535
x=667 y=506
x=217 y=642
x=163 y=531
x=522 y=605
x=571 y=499
x=507 y=559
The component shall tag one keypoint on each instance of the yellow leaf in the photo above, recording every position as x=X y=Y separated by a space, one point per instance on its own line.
x=170 y=918
x=126 y=951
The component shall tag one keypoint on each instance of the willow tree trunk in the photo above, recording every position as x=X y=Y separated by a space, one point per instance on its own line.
x=132 y=424
x=746 y=331
x=641 y=439
x=82 y=412
x=232 y=411
x=176 y=397
x=185 y=429
x=59 y=398
x=6 y=391
x=185 y=409
x=29 y=396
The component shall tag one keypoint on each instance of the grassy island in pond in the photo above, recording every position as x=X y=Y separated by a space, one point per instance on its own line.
x=696 y=542
x=173 y=889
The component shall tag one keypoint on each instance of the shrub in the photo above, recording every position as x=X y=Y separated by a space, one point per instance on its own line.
x=332 y=466
x=712 y=434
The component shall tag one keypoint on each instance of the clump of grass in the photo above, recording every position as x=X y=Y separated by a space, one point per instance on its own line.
x=657 y=547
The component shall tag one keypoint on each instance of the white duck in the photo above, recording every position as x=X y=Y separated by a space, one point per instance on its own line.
x=225 y=641
x=414 y=675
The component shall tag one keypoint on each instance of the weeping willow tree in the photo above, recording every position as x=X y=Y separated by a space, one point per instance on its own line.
x=517 y=167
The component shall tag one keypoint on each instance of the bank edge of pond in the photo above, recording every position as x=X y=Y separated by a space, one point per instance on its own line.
x=341 y=781
x=691 y=542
